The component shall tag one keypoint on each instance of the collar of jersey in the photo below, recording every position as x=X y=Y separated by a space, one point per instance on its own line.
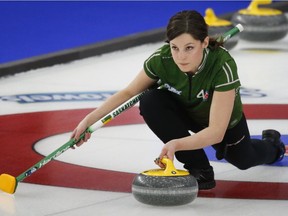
x=205 y=56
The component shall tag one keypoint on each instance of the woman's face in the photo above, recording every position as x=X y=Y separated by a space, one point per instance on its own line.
x=187 y=52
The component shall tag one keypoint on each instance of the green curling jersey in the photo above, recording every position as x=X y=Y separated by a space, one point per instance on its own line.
x=217 y=72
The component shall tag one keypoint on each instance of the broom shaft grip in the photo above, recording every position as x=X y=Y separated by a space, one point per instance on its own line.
x=232 y=32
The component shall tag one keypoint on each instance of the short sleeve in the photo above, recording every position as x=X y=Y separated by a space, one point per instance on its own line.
x=150 y=64
x=227 y=77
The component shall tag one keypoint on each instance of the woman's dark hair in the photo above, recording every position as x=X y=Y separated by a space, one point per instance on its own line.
x=191 y=22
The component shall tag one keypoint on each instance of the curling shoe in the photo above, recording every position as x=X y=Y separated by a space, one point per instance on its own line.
x=273 y=136
x=204 y=177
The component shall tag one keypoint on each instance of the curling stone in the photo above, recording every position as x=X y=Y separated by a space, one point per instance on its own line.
x=261 y=24
x=165 y=187
x=217 y=27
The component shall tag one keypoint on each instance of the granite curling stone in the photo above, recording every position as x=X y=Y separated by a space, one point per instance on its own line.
x=261 y=24
x=217 y=27
x=165 y=187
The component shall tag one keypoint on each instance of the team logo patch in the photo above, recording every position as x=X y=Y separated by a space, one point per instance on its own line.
x=204 y=94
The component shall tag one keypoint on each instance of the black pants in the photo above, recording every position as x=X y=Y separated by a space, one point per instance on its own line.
x=168 y=120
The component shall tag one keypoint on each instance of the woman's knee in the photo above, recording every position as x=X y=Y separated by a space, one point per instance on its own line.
x=243 y=166
x=240 y=164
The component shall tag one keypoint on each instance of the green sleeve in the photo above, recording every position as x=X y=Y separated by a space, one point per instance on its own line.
x=227 y=77
x=151 y=63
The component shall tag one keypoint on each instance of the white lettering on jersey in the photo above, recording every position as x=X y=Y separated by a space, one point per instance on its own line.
x=172 y=89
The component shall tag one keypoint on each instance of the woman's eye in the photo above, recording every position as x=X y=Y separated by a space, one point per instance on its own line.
x=189 y=48
x=174 y=48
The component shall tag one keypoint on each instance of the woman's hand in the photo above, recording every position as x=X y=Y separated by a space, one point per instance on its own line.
x=168 y=151
x=82 y=126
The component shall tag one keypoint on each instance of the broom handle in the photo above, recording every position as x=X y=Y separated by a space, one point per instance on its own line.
x=126 y=105
x=235 y=30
